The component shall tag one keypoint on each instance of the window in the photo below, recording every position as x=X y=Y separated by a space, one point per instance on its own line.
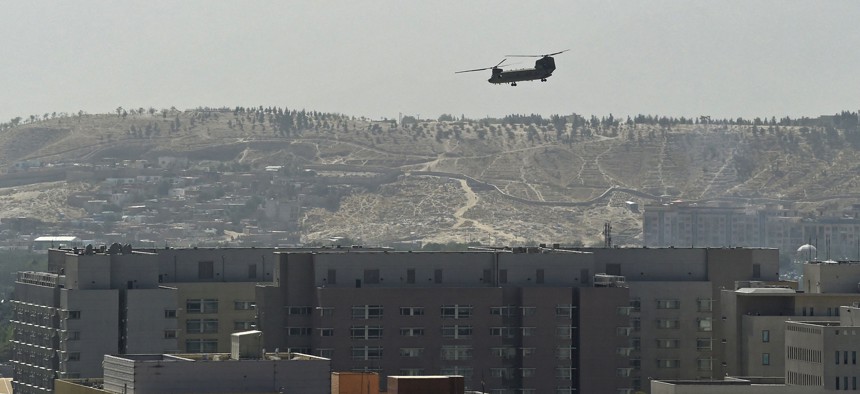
x=706 y=364
x=201 y=306
x=668 y=343
x=765 y=335
x=170 y=313
x=705 y=305
x=564 y=332
x=507 y=332
x=365 y=332
x=205 y=270
x=367 y=312
x=503 y=352
x=201 y=345
x=456 y=311
x=299 y=310
x=410 y=276
x=564 y=310
x=704 y=344
x=252 y=271
x=668 y=323
x=325 y=311
x=244 y=305
x=73 y=356
x=528 y=331
x=506 y=311
x=456 y=352
x=564 y=353
x=298 y=331
x=668 y=363
x=73 y=335
x=327 y=353
x=668 y=304
x=457 y=331
x=412 y=331
x=765 y=359
x=503 y=373
x=411 y=371
x=704 y=324
x=437 y=276
x=527 y=372
x=636 y=303
x=564 y=373
x=366 y=352
x=527 y=351
x=503 y=276
x=466 y=372
x=528 y=310
x=411 y=352
x=331 y=276
x=169 y=334
x=74 y=315
x=411 y=311
x=201 y=325
x=244 y=325
x=326 y=332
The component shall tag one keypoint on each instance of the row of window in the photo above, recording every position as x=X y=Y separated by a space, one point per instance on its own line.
x=702 y=304
x=702 y=324
x=208 y=326
x=208 y=305
x=446 y=311
x=372 y=276
x=702 y=364
x=448 y=352
x=673 y=343
x=453 y=331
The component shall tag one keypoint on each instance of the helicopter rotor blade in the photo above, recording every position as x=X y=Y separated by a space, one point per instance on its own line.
x=551 y=54
x=481 y=69
x=477 y=69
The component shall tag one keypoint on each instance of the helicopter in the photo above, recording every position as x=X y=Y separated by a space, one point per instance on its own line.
x=542 y=70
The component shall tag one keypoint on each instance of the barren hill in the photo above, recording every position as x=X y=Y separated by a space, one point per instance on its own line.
x=491 y=180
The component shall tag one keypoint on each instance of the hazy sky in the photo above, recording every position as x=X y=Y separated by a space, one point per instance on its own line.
x=380 y=58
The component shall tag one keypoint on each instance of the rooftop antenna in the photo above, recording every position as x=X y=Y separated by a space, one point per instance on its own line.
x=607 y=235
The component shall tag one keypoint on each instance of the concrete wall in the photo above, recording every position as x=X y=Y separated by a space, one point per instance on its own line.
x=98 y=326
x=146 y=321
x=831 y=278
x=230 y=264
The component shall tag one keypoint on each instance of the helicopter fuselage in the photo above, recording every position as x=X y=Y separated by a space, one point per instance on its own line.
x=512 y=76
x=542 y=70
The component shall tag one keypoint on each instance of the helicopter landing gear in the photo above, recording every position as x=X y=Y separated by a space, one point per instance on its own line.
x=543 y=79
x=513 y=84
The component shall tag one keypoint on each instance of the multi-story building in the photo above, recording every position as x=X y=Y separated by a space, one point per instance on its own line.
x=96 y=304
x=383 y=311
x=685 y=225
x=754 y=315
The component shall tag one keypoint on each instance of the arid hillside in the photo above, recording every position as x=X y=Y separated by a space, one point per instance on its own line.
x=497 y=181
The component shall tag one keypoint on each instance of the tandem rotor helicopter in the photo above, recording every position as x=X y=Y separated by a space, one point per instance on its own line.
x=542 y=70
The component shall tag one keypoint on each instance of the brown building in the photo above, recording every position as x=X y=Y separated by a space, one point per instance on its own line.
x=530 y=320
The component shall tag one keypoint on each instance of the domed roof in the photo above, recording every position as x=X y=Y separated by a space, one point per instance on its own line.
x=806 y=249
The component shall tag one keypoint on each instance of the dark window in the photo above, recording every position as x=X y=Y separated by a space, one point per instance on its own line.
x=205 y=270
x=410 y=276
x=332 y=277
x=252 y=271
x=539 y=276
x=438 y=276
x=765 y=335
x=371 y=276
x=756 y=271
x=583 y=277
x=765 y=359
x=488 y=276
